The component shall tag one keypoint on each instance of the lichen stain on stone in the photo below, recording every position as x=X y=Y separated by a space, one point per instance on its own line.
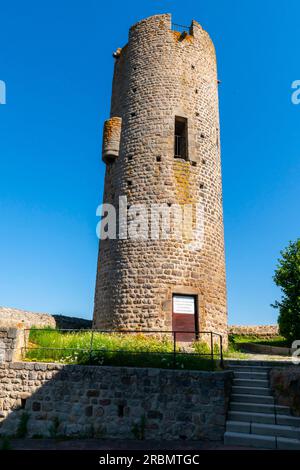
x=110 y=127
x=181 y=170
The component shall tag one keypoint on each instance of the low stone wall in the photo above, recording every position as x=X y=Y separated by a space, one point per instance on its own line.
x=11 y=344
x=16 y=318
x=13 y=317
x=265 y=349
x=113 y=402
x=285 y=384
x=263 y=331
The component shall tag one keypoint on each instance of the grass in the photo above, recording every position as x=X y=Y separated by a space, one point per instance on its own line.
x=119 y=349
x=279 y=341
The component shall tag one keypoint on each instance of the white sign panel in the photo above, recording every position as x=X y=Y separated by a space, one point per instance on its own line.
x=183 y=304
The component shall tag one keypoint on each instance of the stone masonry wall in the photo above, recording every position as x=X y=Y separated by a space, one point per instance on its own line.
x=16 y=318
x=263 y=331
x=285 y=384
x=158 y=75
x=13 y=317
x=113 y=402
x=11 y=343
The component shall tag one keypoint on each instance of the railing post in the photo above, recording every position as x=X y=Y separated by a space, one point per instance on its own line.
x=23 y=352
x=174 y=349
x=221 y=352
x=91 y=347
x=211 y=346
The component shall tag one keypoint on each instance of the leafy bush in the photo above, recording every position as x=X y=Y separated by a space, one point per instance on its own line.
x=287 y=276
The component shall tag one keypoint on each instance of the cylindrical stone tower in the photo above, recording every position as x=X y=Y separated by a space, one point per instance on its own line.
x=161 y=145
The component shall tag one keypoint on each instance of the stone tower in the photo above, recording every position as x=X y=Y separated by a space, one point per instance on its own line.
x=161 y=145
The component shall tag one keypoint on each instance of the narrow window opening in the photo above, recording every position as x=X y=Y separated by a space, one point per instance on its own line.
x=130 y=157
x=181 y=141
x=158 y=159
x=201 y=185
x=129 y=182
x=132 y=114
x=194 y=163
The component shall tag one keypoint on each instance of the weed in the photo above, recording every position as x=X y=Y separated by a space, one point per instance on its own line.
x=22 y=426
x=138 y=429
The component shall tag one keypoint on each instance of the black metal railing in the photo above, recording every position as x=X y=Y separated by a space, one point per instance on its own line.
x=181 y=344
x=181 y=28
x=179 y=146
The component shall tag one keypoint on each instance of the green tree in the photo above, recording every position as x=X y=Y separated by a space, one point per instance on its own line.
x=287 y=276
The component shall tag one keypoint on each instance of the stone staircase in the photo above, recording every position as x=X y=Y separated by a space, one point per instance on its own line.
x=254 y=420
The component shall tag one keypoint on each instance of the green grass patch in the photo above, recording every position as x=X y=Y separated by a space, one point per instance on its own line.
x=279 y=341
x=118 y=349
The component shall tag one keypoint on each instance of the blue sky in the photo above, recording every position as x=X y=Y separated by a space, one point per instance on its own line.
x=56 y=60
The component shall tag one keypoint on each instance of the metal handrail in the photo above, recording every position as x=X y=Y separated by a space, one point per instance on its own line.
x=174 y=334
x=180 y=27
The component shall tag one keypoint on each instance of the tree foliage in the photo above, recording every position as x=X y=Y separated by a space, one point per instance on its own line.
x=287 y=277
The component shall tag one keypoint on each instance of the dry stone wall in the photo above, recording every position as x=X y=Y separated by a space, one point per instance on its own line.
x=263 y=331
x=13 y=317
x=113 y=402
x=23 y=319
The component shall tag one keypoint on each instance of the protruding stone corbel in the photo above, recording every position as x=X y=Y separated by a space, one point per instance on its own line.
x=111 y=139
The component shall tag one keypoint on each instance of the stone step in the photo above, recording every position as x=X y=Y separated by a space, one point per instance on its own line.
x=247 y=398
x=238 y=426
x=260 y=442
x=284 y=443
x=250 y=383
x=251 y=417
x=259 y=408
x=265 y=391
x=275 y=430
x=253 y=363
x=287 y=420
x=237 y=368
x=249 y=440
x=265 y=418
x=263 y=429
x=251 y=375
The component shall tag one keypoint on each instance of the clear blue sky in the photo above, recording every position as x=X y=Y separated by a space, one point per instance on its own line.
x=56 y=60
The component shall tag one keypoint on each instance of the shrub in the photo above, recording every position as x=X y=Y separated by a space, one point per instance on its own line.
x=287 y=277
